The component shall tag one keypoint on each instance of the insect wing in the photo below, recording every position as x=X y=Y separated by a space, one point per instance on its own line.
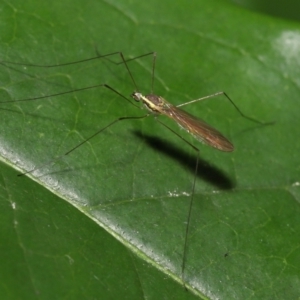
x=199 y=129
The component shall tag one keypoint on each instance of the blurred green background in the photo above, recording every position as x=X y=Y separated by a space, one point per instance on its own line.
x=288 y=9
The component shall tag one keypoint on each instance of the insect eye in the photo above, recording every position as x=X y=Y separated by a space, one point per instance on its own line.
x=136 y=96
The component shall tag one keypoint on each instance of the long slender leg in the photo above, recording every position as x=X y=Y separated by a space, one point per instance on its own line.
x=72 y=91
x=230 y=100
x=125 y=61
x=185 y=244
x=105 y=56
x=83 y=142
x=75 y=62
x=58 y=65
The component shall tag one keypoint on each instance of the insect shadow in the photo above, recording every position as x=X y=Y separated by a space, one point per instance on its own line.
x=206 y=171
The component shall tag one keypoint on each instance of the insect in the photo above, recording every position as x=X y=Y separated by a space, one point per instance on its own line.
x=155 y=105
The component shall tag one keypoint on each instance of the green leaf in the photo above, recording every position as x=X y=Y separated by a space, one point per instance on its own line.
x=132 y=183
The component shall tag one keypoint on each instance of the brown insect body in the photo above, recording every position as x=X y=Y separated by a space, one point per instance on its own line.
x=198 y=128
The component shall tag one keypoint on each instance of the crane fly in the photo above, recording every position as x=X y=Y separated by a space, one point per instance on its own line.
x=156 y=105
x=196 y=127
